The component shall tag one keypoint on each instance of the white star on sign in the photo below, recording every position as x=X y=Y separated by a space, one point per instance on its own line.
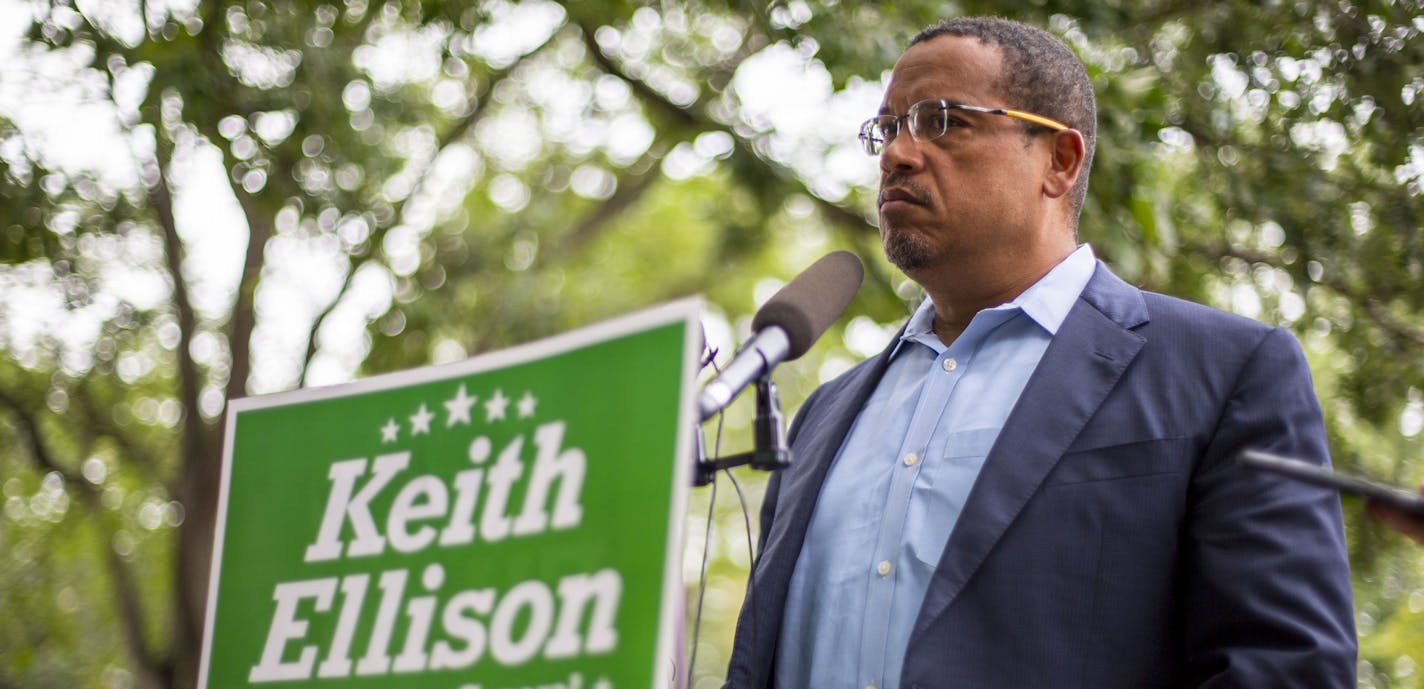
x=420 y=421
x=457 y=408
x=602 y=683
x=526 y=405
x=389 y=431
x=495 y=407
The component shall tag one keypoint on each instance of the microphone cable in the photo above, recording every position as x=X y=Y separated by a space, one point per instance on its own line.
x=709 y=359
x=707 y=543
x=783 y=329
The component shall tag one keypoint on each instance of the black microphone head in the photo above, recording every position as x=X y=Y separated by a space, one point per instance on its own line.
x=807 y=305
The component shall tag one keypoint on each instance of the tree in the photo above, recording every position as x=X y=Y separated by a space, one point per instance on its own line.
x=407 y=182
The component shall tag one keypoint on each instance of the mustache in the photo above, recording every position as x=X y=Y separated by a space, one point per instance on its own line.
x=898 y=185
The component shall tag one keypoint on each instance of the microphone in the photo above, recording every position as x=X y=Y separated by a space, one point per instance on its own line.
x=787 y=325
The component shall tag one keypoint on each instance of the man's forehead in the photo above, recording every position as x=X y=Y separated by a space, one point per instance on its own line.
x=959 y=69
x=965 y=55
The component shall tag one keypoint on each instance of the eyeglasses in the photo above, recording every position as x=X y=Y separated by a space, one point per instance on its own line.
x=930 y=119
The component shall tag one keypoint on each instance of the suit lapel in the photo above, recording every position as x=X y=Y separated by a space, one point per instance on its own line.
x=1083 y=363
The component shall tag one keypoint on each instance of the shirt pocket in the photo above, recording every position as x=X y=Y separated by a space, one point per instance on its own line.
x=942 y=489
x=969 y=444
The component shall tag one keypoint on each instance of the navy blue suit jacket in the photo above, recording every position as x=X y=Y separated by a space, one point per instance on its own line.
x=1111 y=540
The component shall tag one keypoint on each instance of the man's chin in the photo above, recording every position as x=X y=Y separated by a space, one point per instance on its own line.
x=904 y=252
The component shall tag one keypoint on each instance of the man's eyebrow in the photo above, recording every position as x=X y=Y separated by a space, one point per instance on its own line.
x=948 y=102
x=885 y=109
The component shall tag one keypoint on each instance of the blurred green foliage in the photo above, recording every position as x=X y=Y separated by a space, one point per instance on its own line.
x=412 y=182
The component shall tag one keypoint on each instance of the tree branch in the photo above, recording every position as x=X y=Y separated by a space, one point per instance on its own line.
x=848 y=222
x=698 y=119
x=481 y=99
x=29 y=429
x=161 y=198
x=645 y=93
x=479 y=102
x=101 y=423
x=628 y=189
x=1378 y=312
x=244 y=316
x=156 y=671
x=152 y=669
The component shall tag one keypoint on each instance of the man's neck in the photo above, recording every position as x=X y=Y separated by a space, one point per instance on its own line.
x=952 y=316
x=966 y=293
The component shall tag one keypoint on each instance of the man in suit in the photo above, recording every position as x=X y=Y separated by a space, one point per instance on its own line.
x=1034 y=485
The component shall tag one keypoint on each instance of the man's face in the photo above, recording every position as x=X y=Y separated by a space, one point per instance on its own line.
x=971 y=196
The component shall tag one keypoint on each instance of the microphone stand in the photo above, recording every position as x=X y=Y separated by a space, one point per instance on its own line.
x=770 y=453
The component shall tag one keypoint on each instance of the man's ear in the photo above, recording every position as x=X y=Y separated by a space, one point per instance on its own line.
x=1065 y=164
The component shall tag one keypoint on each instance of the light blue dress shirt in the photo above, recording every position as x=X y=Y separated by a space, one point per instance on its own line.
x=895 y=491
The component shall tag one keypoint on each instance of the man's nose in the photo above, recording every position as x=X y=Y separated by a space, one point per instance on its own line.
x=901 y=154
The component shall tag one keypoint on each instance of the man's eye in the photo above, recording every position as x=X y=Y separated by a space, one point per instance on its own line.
x=936 y=122
x=949 y=120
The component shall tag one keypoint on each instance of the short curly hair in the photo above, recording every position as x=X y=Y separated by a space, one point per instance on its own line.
x=1040 y=74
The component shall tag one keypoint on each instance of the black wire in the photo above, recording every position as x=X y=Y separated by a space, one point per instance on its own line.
x=746 y=518
x=751 y=570
x=707 y=544
x=702 y=581
x=707 y=538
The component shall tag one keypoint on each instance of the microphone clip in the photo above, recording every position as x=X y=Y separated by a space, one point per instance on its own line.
x=771 y=451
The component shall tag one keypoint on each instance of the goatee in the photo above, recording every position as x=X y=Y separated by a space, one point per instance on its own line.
x=903 y=249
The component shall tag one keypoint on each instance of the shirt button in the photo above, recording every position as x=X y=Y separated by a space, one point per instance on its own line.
x=883 y=568
x=870 y=686
x=911 y=458
x=950 y=364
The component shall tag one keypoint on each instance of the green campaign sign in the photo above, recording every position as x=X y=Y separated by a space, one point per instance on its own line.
x=510 y=521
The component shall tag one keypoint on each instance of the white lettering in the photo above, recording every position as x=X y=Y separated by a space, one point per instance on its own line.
x=494 y=525
x=440 y=633
x=421 y=499
x=376 y=661
x=602 y=589
x=464 y=628
x=535 y=596
x=338 y=658
x=421 y=511
x=287 y=628
x=420 y=611
x=568 y=467
x=343 y=505
x=461 y=529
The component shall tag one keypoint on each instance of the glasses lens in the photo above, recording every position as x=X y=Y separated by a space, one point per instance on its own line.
x=876 y=132
x=928 y=120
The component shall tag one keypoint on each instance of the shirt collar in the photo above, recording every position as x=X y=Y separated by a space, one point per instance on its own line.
x=1046 y=301
x=1049 y=300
